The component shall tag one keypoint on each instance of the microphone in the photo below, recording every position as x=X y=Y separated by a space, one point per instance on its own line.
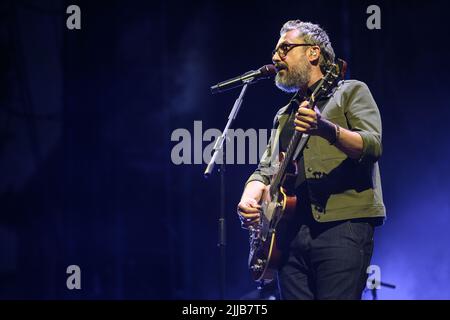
x=249 y=77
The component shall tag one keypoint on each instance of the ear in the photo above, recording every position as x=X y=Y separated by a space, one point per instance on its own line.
x=313 y=54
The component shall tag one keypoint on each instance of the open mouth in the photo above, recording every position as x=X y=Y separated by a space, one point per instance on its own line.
x=280 y=67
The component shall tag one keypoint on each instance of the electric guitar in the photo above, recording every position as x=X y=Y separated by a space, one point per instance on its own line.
x=279 y=201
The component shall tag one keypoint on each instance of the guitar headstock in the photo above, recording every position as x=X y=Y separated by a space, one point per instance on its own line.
x=333 y=73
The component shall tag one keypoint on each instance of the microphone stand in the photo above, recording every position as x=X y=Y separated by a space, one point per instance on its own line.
x=382 y=284
x=218 y=147
x=373 y=291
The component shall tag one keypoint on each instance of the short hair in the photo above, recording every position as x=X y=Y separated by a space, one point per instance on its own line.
x=312 y=34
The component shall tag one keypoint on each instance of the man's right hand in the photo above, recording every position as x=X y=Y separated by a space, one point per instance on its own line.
x=249 y=211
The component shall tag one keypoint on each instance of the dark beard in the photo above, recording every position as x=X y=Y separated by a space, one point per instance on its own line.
x=294 y=79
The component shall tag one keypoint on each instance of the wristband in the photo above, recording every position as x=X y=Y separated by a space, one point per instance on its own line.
x=338 y=133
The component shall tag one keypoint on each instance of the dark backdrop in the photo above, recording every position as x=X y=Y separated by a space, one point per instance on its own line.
x=86 y=118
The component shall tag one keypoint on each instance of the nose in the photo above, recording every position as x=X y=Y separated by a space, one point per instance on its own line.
x=276 y=57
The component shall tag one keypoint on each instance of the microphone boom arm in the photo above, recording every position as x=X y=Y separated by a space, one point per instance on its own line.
x=249 y=77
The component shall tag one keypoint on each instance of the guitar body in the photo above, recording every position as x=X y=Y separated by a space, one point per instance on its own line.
x=277 y=210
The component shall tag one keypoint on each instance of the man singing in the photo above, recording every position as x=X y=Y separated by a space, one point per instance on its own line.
x=338 y=188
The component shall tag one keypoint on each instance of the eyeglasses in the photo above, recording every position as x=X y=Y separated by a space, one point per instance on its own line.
x=284 y=48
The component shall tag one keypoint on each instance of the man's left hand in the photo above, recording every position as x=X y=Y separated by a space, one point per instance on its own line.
x=309 y=121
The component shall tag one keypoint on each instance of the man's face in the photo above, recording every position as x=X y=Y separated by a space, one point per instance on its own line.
x=294 y=68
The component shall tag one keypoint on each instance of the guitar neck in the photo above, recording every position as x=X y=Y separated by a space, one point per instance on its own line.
x=289 y=156
x=293 y=143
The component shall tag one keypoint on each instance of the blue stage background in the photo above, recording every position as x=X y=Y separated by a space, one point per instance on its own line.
x=86 y=118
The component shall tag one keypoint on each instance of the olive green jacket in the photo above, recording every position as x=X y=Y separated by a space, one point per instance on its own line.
x=339 y=187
